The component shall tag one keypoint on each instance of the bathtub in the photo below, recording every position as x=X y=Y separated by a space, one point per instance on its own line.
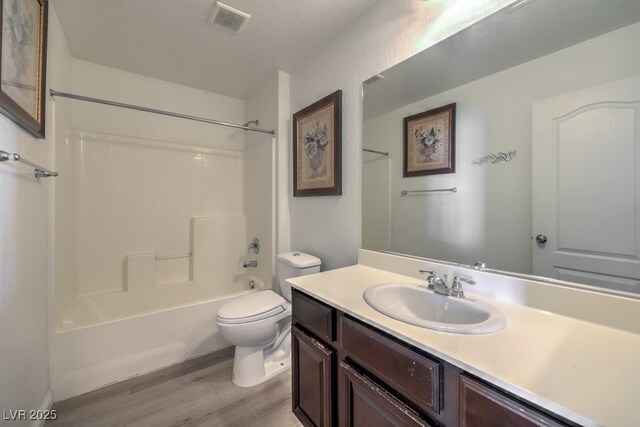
x=106 y=349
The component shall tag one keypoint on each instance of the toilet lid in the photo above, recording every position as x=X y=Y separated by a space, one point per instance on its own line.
x=252 y=307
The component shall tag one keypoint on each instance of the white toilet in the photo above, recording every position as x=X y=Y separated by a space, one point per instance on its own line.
x=259 y=324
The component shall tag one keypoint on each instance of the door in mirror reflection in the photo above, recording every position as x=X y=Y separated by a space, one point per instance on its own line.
x=586 y=157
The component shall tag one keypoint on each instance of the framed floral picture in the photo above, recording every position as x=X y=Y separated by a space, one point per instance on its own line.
x=23 y=52
x=430 y=142
x=317 y=148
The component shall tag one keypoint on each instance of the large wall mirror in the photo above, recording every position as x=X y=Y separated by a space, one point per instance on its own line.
x=547 y=146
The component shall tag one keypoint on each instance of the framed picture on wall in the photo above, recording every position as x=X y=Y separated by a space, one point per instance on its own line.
x=317 y=148
x=23 y=57
x=430 y=142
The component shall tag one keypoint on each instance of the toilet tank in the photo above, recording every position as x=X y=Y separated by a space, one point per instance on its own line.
x=295 y=264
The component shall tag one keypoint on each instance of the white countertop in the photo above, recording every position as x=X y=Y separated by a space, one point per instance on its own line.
x=585 y=372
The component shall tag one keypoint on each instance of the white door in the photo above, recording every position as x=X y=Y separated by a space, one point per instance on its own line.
x=586 y=186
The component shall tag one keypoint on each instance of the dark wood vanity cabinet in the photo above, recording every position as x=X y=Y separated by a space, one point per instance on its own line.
x=349 y=374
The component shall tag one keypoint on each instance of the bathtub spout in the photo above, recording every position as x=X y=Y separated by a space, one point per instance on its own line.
x=252 y=263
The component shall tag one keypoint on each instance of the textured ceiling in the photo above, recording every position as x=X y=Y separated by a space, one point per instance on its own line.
x=172 y=40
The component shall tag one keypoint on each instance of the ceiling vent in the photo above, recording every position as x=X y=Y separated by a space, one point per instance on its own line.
x=228 y=17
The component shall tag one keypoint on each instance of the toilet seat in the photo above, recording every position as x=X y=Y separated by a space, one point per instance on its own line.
x=251 y=308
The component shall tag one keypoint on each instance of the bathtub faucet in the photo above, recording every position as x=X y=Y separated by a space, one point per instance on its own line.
x=252 y=263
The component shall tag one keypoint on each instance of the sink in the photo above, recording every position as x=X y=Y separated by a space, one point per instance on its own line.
x=414 y=304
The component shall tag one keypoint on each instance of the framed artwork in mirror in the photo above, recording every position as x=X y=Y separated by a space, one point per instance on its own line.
x=317 y=148
x=23 y=53
x=430 y=142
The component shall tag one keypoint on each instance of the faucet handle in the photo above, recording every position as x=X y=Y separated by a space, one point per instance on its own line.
x=427 y=272
x=431 y=275
x=459 y=279
x=456 y=287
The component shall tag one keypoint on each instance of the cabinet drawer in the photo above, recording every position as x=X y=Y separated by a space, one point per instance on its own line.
x=483 y=406
x=314 y=315
x=406 y=371
x=364 y=403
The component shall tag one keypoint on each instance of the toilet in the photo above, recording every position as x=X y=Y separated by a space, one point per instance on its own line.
x=259 y=324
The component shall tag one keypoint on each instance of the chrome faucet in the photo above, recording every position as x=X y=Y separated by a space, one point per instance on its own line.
x=252 y=263
x=440 y=286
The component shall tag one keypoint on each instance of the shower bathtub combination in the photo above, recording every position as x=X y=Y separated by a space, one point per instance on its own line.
x=150 y=239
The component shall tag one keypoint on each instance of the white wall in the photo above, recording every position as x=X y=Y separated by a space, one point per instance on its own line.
x=98 y=81
x=63 y=219
x=259 y=188
x=389 y=32
x=259 y=160
x=24 y=240
x=489 y=218
x=267 y=172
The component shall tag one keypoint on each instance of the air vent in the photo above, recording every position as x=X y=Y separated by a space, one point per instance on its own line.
x=228 y=17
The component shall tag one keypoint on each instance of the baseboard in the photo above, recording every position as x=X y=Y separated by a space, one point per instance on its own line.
x=47 y=403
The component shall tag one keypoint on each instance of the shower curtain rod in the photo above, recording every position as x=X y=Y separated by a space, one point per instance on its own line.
x=154 y=111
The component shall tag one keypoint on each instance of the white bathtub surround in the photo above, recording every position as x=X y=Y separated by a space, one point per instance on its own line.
x=557 y=340
x=219 y=244
x=153 y=216
x=140 y=196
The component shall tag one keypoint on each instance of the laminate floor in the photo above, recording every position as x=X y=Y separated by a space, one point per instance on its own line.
x=195 y=393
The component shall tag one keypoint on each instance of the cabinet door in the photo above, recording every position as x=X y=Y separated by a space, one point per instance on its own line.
x=482 y=406
x=312 y=380
x=363 y=403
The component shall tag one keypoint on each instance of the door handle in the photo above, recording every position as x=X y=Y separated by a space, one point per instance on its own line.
x=541 y=239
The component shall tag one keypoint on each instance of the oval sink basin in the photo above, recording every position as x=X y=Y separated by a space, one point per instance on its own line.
x=418 y=306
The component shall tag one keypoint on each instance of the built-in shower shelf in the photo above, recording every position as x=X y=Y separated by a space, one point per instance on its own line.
x=163 y=257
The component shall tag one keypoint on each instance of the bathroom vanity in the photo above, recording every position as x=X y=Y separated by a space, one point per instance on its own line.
x=354 y=366
x=378 y=380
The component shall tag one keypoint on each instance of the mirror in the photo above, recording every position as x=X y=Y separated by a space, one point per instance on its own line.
x=546 y=145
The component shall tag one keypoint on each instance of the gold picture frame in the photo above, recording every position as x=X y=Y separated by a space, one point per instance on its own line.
x=317 y=148
x=23 y=58
x=430 y=142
